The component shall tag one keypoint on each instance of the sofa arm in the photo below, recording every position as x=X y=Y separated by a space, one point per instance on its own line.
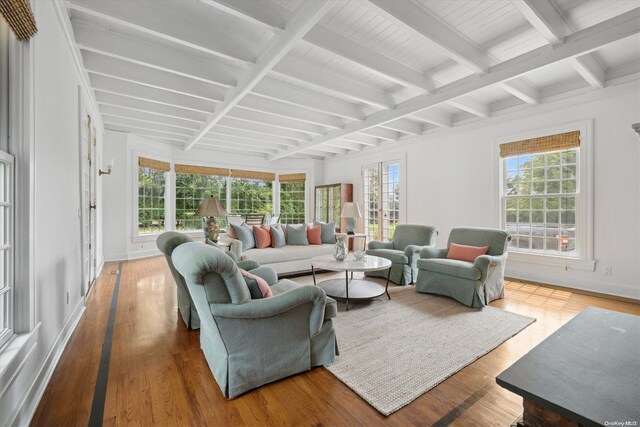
x=267 y=273
x=236 y=245
x=247 y=264
x=433 y=252
x=374 y=244
x=278 y=305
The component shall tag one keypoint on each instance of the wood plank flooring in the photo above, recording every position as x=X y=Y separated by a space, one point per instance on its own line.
x=158 y=375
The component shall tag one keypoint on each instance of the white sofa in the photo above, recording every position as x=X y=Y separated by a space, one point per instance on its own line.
x=288 y=259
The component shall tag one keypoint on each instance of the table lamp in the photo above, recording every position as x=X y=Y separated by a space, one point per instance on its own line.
x=209 y=209
x=351 y=211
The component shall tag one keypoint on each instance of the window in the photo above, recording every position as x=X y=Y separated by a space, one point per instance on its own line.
x=251 y=192
x=6 y=247
x=381 y=184
x=151 y=195
x=541 y=194
x=191 y=189
x=292 y=199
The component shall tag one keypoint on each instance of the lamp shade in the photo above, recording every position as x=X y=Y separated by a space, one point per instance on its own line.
x=351 y=210
x=211 y=206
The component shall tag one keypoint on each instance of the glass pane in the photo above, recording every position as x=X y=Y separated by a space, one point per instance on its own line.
x=552 y=244
x=553 y=187
x=292 y=203
x=569 y=186
x=553 y=203
x=524 y=216
x=569 y=156
x=511 y=216
x=553 y=173
x=151 y=186
x=552 y=217
x=553 y=159
x=537 y=217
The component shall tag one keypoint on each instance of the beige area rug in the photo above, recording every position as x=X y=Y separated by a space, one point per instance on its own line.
x=392 y=352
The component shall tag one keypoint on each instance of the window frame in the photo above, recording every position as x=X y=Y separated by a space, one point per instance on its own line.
x=8 y=248
x=304 y=199
x=223 y=199
x=169 y=199
x=583 y=259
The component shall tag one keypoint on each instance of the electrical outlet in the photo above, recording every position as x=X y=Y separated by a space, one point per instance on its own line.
x=608 y=271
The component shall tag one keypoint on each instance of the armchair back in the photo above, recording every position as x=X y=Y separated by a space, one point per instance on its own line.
x=408 y=234
x=496 y=239
x=167 y=242
x=212 y=268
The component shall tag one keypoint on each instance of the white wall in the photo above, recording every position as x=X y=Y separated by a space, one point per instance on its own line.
x=120 y=187
x=452 y=181
x=59 y=302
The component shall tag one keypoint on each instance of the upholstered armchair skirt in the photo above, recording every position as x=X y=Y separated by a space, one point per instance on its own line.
x=250 y=342
x=476 y=283
x=403 y=251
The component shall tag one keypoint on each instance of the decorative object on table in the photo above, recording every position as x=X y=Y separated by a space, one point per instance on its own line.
x=450 y=336
x=359 y=255
x=351 y=211
x=340 y=251
x=209 y=209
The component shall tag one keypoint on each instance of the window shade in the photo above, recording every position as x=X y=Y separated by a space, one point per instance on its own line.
x=202 y=170
x=143 y=162
x=264 y=176
x=20 y=18
x=291 y=177
x=560 y=141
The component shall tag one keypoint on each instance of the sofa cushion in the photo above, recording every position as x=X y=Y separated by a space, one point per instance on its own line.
x=287 y=253
x=314 y=234
x=393 y=255
x=244 y=233
x=277 y=236
x=328 y=231
x=451 y=267
x=330 y=309
x=297 y=235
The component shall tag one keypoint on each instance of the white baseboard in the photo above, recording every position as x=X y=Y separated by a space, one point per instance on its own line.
x=132 y=255
x=26 y=409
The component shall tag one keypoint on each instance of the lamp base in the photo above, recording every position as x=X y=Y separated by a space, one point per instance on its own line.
x=211 y=229
x=352 y=223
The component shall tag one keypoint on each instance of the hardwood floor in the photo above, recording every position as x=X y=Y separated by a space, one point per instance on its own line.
x=158 y=375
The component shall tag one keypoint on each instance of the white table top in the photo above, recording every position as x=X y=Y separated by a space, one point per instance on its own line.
x=369 y=263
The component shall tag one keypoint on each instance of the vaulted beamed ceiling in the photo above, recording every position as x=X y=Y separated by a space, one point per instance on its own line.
x=317 y=78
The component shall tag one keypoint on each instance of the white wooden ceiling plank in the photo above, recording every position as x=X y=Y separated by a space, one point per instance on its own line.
x=346 y=144
x=282 y=109
x=435 y=117
x=545 y=18
x=141 y=52
x=305 y=18
x=230 y=122
x=270 y=15
x=142 y=74
x=274 y=89
x=138 y=124
x=250 y=134
x=335 y=83
x=378 y=132
x=111 y=99
x=225 y=142
x=472 y=105
x=147 y=117
x=576 y=44
x=369 y=141
x=225 y=146
x=166 y=25
x=590 y=70
x=147 y=93
x=146 y=132
x=280 y=122
x=237 y=140
x=415 y=18
x=405 y=125
x=523 y=90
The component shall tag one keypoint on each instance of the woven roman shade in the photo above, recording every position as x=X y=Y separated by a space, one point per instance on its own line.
x=19 y=16
x=292 y=177
x=143 y=162
x=264 y=176
x=560 y=141
x=202 y=170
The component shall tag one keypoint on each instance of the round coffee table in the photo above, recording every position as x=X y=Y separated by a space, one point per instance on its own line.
x=350 y=288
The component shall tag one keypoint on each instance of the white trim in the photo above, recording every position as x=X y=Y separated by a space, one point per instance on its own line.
x=128 y=256
x=26 y=409
x=134 y=196
x=14 y=355
x=585 y=211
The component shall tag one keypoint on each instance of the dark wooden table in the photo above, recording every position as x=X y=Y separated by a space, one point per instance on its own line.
x=585 y=373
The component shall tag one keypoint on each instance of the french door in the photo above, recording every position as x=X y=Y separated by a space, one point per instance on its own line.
x=381 y=189
x=88 y=194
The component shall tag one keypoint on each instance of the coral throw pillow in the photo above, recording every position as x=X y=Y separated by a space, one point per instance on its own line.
x=262 y=284
x=231 y=232
x=314 y=234
x=263 y=237
x=466 y=253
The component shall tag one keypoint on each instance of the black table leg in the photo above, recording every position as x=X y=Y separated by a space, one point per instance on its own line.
x=347 y=287
x=386 y=287
x=313 y=272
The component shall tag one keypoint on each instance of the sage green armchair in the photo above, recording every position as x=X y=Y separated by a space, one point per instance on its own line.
x=476 y=283
x=250 y=342
x=170 y=240
x=403 y=251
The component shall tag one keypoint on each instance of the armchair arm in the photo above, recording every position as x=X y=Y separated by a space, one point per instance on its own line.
x=267 y=273
x=374 y=244
x=248 y=264
x=433 y=252
x=413 y=253
x=278 y=305
x=488 y=263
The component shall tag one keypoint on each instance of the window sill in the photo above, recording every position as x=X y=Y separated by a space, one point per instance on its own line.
x=13 y=356
x=553 y=261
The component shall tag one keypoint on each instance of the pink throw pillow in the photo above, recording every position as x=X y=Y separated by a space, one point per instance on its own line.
x=466 y=253
x=231 y=232
x=263 y=237
x=314 y=234
x=262 y=284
